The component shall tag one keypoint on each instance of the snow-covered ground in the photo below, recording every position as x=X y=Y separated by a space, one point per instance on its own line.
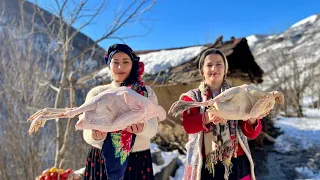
x=299 y=134
x=308 y=173
x=168 y=157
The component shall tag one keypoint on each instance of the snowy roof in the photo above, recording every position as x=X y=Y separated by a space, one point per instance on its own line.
x=180 y=65
x=166 y=59
x=162 y=60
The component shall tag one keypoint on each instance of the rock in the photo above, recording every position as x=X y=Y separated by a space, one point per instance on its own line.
x=157 y=158
x=168 y=171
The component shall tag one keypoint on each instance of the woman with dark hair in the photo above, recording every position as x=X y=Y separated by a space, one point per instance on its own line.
x=123 y=154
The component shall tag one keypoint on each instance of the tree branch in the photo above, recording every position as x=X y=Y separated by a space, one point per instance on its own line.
x=117 y=26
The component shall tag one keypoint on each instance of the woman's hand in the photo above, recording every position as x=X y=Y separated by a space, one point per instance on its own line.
x=135 y=128
x=98 y=135
x=253 y=121
x=210 y=117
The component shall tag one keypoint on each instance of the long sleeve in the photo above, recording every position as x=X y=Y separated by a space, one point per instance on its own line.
x=87 y=134
x=250 y=131
x=192 y=120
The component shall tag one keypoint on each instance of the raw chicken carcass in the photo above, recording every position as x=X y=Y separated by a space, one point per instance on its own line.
x=237 y=103
x=109 y=111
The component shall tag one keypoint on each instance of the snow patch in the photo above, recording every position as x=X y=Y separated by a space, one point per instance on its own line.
x=168 y=158
x=308 y=20
x=180 y=171
x=307 y=173
x=252 y=40
x=154 y=148
x=165 y=59
x=308 y=101
x=299 y=133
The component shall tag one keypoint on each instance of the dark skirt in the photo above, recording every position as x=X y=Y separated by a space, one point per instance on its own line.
x=139 y=166
x=240 y=169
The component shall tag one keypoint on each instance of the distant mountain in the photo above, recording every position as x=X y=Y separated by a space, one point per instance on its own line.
x=298 y=46
x=12 y=17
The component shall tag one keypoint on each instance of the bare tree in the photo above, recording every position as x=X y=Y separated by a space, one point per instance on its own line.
x=318 y=87
x=29 y=78
x=20 y=92
x=292 y=76
x=60 y=28
x=314 y=90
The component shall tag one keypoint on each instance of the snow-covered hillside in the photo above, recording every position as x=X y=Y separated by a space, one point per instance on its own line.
x=276 y=53
x=43 y=44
